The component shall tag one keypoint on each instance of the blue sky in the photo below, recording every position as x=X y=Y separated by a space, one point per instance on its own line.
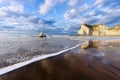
x=56 y=16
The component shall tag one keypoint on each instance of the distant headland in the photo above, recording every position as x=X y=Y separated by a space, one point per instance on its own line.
x=98 y=30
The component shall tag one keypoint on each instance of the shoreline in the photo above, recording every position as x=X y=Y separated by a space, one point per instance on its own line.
x=38 y=58
x=99 y=63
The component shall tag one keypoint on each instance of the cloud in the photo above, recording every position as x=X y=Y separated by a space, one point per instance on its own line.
x=33 y=23
x=111 y=17
x=3 y=11
x=10 y=13
x=73 y=2
x=102 y=11
x=33 y=19
x=75 y=11
x=83 y=8
x=70 y=14
x=11 y=9
x=19 y=16
x=1 y=1
x=98 y=2
x=13 y=13
x=16 y=7
x=48 y=5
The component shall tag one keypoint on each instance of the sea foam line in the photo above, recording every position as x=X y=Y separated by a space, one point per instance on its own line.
x=21 y=64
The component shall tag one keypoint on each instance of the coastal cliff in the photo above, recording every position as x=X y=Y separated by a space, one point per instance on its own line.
x=98 y=30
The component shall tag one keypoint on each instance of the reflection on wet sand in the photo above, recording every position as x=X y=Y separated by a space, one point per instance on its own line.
x=89 y=44
x=98 y=63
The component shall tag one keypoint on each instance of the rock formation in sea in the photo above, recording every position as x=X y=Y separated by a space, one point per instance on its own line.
x=41 y=35
x=98 y=30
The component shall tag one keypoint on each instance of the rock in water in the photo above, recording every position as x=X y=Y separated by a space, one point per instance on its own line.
x=98 y=30
x=41 y=35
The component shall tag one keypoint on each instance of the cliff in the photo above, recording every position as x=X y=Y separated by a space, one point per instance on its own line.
x=98 y=30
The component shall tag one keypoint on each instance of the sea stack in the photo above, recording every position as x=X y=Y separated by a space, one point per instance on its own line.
x=41 y=35
x=98 y=30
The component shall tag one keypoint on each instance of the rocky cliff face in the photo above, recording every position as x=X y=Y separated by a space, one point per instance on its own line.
x=98 y=30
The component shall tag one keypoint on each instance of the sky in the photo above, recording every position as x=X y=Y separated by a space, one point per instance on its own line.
x=56 y=16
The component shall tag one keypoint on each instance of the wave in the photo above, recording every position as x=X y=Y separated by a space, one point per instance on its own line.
x=21 y=64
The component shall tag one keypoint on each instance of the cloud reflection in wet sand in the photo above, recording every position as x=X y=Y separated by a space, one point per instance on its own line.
x=98 y=62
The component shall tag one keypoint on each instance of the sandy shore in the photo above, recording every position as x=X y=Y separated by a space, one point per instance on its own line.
x=100 y=61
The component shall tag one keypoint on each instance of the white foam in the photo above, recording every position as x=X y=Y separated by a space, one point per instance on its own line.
x=21 y=64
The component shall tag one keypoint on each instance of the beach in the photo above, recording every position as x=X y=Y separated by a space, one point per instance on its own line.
x=96 y=59
x=59 y=40
x=19 y=49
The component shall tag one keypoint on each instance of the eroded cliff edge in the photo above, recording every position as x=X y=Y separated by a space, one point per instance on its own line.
x=98 y=30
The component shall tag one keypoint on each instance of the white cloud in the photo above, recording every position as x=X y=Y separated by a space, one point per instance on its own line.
x=73 y=2
x=98 y=2
x=92 y=13
x=70 y=14
x=83 y=8
x=12 y=7
x=3 y=12
x=75 y=12
x=16 y=7
x=48 y=5
x=111 y=15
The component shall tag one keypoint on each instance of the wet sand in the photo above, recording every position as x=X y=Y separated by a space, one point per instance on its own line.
x=98 y=61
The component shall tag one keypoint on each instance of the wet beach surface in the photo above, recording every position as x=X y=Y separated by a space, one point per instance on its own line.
x=99 y=60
